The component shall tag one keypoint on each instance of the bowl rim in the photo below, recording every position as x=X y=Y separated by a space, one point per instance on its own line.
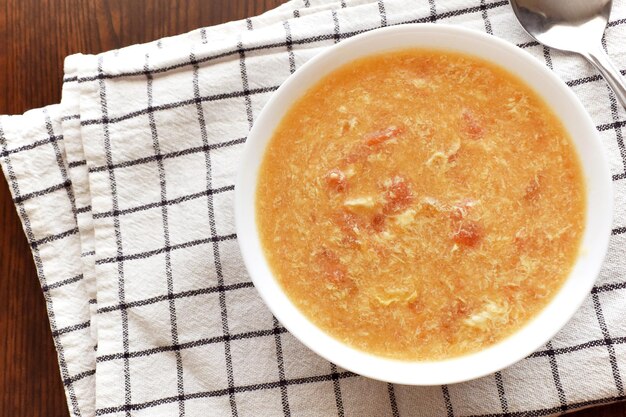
x=515 y=347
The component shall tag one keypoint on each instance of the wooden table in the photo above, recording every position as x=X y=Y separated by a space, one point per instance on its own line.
x=35 y=36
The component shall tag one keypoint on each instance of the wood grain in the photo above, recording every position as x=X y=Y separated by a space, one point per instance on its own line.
x=35 y=37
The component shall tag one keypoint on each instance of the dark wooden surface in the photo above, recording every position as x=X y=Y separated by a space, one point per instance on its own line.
x=35 y=36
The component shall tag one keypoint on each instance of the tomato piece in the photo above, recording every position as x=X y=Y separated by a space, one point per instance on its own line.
x=370 y=143
x=358 y=153
x=468 y=233
x=398 y=195
x=336 y=180
x=378 y=222
x=333 y=270
x=416 y=305
x=533 y=189
x=471 y=125
x=380 y=136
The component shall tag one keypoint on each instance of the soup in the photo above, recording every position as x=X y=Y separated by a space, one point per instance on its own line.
x=420 y=204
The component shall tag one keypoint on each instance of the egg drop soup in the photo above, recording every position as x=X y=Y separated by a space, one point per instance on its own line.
x=420 y=204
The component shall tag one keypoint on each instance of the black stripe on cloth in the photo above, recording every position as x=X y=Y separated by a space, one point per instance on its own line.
x=485 y=16
x=35 y=144
x=194 y=101
x=70 y=329
x=587 y=345
x=432 y=18
x=556 y=377
x=618 y=231
x=382 y=13
x=616 y=22
x=88 y=253
x=249 y=24
x=70 y=116
x=228 y=391
x=583 y=80
x=169 y=155
x=528 y=44
x=21 y=198
x=121 y=291
x=609 y=343
x=75 y=164
x=192 y=344
x=547 y=57
x=147 y=254
x=60 y=161
x=589 y=79
x=85 y=209
x=336 y=29
x=35 y=244
x=446 y=401
x=280 y=361
x=289 y=45
x=15 y=190
x=78 y=377
x=214 y=238
x=609 y=287
x=617 y=127
x=180 y=383
x=62 y=283
x=337 y=389
x=501 y=394
x=393 y=403
x=243 y=72
x=164 y=203
x=553 y=410
x=176 y=295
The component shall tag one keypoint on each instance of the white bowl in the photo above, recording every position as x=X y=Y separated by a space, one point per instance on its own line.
x=534 y=334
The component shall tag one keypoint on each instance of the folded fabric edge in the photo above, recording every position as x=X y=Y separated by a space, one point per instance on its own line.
x=39 y=185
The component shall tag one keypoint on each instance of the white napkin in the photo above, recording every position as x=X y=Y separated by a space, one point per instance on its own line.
x=125 y=192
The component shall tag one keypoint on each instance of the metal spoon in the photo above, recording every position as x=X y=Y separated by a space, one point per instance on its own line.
x=573 y=26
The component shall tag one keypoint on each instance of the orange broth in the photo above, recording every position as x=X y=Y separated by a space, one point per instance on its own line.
x=420 y=204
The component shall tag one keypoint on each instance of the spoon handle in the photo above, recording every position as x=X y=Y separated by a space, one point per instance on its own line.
x=610 y=73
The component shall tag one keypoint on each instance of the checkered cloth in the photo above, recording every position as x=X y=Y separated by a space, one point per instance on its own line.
x=125 y=192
